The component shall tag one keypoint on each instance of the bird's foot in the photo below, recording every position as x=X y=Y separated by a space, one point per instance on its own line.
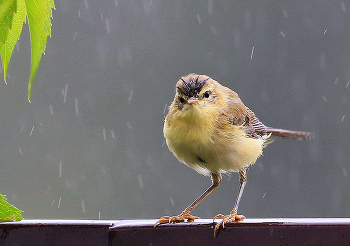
x=232 y=217
x=176 y=219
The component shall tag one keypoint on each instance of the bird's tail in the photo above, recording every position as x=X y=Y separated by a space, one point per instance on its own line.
x=290 y=134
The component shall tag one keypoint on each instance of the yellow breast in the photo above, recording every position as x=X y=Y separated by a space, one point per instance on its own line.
x=203 y=143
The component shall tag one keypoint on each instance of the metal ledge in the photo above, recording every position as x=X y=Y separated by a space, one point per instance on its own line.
x=55 y=232
x=281 y=231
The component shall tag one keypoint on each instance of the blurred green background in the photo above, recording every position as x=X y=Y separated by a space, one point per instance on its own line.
x=90 y=145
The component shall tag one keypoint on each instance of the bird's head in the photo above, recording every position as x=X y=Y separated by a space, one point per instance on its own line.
x=195 y=92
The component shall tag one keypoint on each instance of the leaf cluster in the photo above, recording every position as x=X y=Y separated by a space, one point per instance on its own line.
x=13 y=13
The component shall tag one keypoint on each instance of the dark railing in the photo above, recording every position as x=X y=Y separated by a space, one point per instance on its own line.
x=308 y=231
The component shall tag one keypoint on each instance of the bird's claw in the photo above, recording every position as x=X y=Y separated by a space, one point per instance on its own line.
x=176 y=219
x=232 y=217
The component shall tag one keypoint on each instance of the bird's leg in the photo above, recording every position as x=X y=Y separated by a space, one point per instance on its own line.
x=215 y=179
x=233 y=216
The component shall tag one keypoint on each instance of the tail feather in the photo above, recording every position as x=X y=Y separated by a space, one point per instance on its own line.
x=290 y=134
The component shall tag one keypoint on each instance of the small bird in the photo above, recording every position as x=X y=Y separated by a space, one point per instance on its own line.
x=209 y=129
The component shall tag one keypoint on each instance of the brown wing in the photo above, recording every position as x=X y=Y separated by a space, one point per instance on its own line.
x=240 y=115
x=255 y=128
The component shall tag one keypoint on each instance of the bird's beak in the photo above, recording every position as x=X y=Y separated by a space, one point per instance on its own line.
x=192 y=100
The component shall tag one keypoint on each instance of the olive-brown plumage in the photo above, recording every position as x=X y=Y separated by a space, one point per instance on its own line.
x=209 y=129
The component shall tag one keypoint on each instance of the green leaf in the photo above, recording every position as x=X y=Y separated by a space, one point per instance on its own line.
x=8 y=212
x=13 y=34
x=12 y=15
x=39 y=20
x=7 y=11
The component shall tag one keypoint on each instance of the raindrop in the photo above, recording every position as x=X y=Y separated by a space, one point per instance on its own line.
x=20 y=151
x=210 y=7
x=285 y=14
x=264 y=195
x=113 y=134
x=343 y=6
x=165 y=107
x=60 y=170
x=347 y=84
x=104 y=134
x=283 y=34
x=99 y=215
x=251 y=54
x=128 y=124
x=199 y=19
x=342 y=119
x=345 y=173
x=86 y=4
x=51 y=109
x=83 y=206
x=325 y=31
x=172 y=201
x=76 y=106
x=31 y=132
x=59 y=202
x=75 y=36
x=139 y=177
x=130 y=95
x=336 y=80
x=52 y=203
x=108 y=28
x=64 y=93
x=147 y=7
x=324 y=99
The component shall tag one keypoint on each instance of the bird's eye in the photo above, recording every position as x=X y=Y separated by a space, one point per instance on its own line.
x=182 y=100
x=206 y=94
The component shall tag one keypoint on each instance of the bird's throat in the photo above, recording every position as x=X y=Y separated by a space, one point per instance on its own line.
x=192 y=124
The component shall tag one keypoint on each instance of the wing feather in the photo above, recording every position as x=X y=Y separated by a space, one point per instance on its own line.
x=240 y=115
